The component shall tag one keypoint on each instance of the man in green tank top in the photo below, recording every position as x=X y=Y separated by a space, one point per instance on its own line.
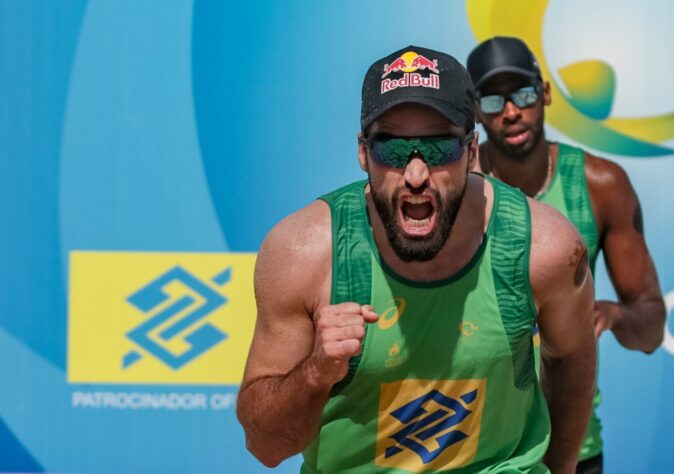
x=593 y=193
x=395 y=315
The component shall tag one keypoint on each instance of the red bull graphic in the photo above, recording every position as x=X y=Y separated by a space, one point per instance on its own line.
x=408 y=63
x=395 y=66
x=421 y=62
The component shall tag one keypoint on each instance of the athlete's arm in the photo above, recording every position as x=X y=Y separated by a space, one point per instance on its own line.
x=301 y=345
x=637 y=319
x=563 y=289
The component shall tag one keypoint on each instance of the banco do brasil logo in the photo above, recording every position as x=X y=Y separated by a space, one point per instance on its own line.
x=137 y=317
x=436 y=425
x=186 y=312
x=429 y=424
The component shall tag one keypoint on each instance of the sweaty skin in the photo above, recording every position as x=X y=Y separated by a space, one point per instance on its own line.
x=637 y=318
x=302 y=344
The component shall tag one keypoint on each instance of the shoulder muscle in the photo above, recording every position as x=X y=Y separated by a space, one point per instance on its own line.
x=295 y=256
x=558 y=254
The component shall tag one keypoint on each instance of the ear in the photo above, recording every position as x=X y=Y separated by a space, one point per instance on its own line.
x=362 y=153
x=474 y=151
x=547 y=97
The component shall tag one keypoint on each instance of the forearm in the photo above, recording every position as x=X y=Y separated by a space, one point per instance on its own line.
x=568 y=384
x=640 y=325
x=281 y=414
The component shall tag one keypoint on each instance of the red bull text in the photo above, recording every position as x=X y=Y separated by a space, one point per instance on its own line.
x=411 y=79
x=407 y=64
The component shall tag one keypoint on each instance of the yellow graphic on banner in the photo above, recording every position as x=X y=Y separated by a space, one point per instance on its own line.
x=429 y=424
x=159 y=318
x=582 y=102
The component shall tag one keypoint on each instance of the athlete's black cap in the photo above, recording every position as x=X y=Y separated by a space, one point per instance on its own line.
x=502 y=54
x=420 y=75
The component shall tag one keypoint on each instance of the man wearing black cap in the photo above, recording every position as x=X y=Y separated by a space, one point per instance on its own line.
x=595 y=194
x=395 y=314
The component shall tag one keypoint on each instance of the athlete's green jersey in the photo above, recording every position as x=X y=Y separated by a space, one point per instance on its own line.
x=568 y=194
x=446 y=379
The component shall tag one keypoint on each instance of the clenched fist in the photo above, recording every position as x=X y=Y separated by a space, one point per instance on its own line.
x=340 y=330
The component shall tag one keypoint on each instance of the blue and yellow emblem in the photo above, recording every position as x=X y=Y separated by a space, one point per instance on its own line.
x=168 y=318
x=581 y=104
x=429 y=424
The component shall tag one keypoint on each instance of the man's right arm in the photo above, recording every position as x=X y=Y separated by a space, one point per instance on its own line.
x=301 y=345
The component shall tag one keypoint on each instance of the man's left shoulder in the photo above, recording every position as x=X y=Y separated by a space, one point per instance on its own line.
x=605 y=175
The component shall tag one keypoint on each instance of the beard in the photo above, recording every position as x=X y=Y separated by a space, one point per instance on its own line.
x=414 y=248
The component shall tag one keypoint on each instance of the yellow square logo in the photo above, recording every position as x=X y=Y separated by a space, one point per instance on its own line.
x=159 y=318
x=429 y=424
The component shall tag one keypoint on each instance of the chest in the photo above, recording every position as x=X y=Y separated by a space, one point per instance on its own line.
x=449 y=330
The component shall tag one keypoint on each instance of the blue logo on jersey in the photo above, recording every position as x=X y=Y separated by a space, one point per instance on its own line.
x=152 y=300
x=422 y=426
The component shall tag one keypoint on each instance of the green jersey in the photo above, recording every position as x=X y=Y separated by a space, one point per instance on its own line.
x=568 y=194
x=446 y=380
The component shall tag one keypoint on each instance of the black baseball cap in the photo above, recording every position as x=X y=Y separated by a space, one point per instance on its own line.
x=502 y=54
x=423 y=76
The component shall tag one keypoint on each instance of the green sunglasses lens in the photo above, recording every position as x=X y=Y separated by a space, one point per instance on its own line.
x=435 y=151
x=393 y=152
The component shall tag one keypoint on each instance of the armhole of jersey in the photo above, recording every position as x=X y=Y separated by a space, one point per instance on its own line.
x=510 y=244
x=577 y=197
x=328 y=199
x=351 y=258
x=591 y=221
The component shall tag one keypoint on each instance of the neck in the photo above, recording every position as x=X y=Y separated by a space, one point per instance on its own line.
x=530 y=173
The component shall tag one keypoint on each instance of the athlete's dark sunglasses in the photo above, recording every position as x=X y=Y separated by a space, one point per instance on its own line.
x=495 y=103
x=435 y=151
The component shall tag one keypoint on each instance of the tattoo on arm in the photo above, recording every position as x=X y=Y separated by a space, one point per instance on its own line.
x=638 y=219
x=580 y=261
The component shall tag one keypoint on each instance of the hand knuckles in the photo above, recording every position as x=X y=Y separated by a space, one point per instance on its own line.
x=329 y=350
x=357 y=331
x=326 y=311
x=336 y=351
x=352 y=346
x=321 y=323
x=350 y=307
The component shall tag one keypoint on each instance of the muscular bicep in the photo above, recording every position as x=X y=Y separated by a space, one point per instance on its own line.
x=627 y=258
x=291 y=281
x=565 y=319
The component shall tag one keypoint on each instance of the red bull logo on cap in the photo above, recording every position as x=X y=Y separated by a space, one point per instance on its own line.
x=408 y=63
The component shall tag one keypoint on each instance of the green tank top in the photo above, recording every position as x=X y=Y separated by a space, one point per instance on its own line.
x=568 y=194
x=446 y=380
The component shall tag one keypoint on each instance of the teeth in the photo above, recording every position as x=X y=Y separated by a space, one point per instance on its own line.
x=416 y=199
x=417 y=223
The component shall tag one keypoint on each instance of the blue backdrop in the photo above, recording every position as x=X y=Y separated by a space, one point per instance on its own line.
x=176 y=130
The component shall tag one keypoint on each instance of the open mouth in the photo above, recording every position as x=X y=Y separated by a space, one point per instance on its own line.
x=417 y=214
